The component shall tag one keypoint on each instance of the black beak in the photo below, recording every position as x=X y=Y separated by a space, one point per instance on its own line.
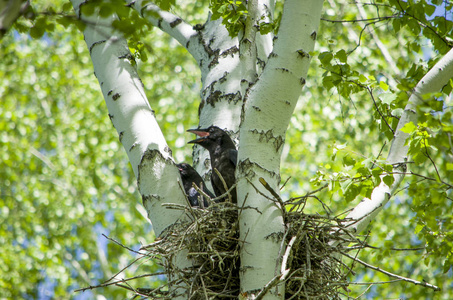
x=202 y=133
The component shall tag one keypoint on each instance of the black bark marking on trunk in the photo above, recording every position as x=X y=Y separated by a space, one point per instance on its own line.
x=284 y=70
x=260 y=63
x=215 y=60
x=133 y=146
x=116 y=96
x=245 y=167
x=175 y=23
x=127 y=56
x=224 y=77
x=275 y=237
x=213 y=97
x=303 y=54
x=231 y=51
x=146 y=198
x=269 y=136
x=233 y=97
x=168 y=150
x=96 y=44
x=273 y=54
x=313 y=35
x=198 y=27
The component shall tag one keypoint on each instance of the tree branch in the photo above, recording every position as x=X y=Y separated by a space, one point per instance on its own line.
x=133 y=119
x=10 y=11
x=416 y=282
x=247 y=45
x=439 y=75
x=175 y=26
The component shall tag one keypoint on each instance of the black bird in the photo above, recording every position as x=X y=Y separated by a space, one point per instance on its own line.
x=189 y=176
x=223 y=155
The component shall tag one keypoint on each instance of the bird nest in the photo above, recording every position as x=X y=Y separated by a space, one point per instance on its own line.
x=311 y=256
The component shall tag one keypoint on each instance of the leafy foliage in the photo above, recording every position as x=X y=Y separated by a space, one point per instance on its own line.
x=232 y=12
x=65 y=179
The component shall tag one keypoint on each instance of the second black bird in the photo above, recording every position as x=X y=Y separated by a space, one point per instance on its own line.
x=223 y=155
x=190 y=176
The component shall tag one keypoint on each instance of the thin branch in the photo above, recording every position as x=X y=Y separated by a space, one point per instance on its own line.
x=125 y=247
x=377 y=108
x=119 y=281
x=170 y=23
x=361 y=20
x=416 y=282
x=424 y=25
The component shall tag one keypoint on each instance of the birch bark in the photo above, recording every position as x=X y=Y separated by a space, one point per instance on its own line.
x=133 y=119
x=267 y=111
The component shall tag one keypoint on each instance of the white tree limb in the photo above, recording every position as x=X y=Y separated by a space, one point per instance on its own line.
x=174 y=25
x=247 y=46
x=133 y=119
x=267 y=111
x=10 y=11
x=264 y=42
x=439 y=75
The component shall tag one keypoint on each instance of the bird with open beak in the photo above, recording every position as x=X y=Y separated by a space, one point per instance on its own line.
x=223 y=154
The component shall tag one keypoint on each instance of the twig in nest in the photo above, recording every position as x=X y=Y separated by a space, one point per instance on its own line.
x=303 y=200
x=284 y=184
x=224 y=184
x=203 y=195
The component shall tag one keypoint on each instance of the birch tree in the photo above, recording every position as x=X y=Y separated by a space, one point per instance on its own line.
x=255 y=59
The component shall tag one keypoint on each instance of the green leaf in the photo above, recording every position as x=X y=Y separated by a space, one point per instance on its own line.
x=409 y=128
x=396 y=24
x=348 y=161
x=387 y=98
x=398 y=112
x=388 y=179
x=351 y=192
x=362 y=171
x=325 y=57
x=341 y=55
x=362 y=78
x=429 y=9
x=37 y=32
x=418 y=228
x=383 y=85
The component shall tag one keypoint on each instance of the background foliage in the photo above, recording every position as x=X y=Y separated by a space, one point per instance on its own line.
x=65 y=180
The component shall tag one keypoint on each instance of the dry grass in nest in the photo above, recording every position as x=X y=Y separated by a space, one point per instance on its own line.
x=211 y=239
x=314 y=263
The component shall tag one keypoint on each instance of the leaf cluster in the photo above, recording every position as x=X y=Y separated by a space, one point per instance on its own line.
x=232 y=12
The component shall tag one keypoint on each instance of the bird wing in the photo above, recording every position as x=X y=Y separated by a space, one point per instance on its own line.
x=233 y=156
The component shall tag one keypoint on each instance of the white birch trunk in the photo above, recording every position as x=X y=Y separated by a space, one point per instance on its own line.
x=134 y=120
x=268 y=108
x=439 y=75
